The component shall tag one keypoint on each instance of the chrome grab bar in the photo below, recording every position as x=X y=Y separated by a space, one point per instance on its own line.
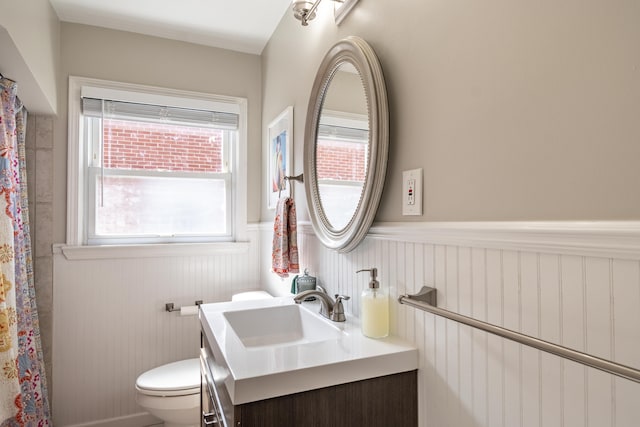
x=425 y=300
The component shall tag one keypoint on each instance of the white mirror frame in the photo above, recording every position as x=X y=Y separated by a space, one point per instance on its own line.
x=357 y=52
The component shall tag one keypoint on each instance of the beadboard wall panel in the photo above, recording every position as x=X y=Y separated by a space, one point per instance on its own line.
x=110 y=323
x=575 y=285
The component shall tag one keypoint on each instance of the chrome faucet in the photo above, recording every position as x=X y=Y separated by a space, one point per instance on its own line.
x=333 y=310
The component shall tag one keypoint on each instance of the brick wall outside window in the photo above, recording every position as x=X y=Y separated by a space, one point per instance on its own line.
x=152 y=146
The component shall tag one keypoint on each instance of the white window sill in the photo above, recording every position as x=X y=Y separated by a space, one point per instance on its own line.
x=149 y=251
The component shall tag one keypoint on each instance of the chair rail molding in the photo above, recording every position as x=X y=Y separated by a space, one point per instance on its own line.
x=617 y=239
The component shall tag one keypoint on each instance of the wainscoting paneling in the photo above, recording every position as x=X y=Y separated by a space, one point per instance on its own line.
x=110 y=323
x=578 y=286
x=561 y=286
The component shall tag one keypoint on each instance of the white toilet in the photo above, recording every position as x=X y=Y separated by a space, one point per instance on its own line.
x=171 y=392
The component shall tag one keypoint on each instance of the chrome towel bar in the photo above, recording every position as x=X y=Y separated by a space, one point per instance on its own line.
x=425 y=300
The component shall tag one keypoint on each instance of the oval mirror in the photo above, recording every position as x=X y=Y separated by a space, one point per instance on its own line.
x=346 y=144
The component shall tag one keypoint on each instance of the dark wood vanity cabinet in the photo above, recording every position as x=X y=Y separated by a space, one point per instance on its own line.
x=390 y=400
x=385 y=401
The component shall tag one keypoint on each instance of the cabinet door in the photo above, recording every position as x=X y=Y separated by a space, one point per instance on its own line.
x=310 y=409
x=379 y=402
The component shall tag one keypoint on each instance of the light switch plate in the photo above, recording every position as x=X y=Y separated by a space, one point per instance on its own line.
x=412 y=192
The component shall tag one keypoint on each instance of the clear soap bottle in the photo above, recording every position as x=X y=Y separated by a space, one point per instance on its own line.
x=374 y=308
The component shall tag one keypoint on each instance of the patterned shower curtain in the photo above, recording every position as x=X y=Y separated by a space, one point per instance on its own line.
x=23 y=387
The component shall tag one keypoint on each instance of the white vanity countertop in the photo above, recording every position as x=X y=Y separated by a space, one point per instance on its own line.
x=258 y=373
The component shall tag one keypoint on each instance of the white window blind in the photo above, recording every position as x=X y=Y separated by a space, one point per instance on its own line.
x=95 y=107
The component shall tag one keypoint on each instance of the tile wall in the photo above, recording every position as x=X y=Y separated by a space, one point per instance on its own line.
x=39 y=152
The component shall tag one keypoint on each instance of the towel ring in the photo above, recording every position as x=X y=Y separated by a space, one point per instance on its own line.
x=299 y=178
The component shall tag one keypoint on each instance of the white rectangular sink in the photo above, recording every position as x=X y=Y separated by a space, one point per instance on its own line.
x=279 y=325
x=274 y=347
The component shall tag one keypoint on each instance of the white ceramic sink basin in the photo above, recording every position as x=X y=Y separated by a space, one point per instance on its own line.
x=280 y=325
x=274 y=347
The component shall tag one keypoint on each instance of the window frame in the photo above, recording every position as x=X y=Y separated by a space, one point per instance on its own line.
x=77 y=171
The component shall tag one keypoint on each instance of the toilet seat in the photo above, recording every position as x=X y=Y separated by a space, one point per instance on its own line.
x=180 y=378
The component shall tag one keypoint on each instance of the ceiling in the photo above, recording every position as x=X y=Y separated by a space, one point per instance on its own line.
x=244 y=26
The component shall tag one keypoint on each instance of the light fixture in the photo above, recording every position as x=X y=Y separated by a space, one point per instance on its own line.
x=305 y=10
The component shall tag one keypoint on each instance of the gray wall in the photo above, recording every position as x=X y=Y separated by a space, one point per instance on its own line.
x=30 y=51
x=515 y=110
x=132 y=58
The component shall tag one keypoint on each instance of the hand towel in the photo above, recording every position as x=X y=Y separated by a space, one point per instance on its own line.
x=284 y=256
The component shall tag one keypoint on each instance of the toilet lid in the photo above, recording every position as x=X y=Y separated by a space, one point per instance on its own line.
x=177 y=378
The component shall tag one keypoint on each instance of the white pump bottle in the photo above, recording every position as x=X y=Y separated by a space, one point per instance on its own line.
x=374 y=304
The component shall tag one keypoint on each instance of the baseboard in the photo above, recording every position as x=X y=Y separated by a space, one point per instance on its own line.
x=141 y=419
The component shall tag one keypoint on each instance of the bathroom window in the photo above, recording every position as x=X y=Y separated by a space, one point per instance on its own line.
x=154 y=166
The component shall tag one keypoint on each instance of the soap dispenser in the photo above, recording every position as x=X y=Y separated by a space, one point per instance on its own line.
x=374 y=308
